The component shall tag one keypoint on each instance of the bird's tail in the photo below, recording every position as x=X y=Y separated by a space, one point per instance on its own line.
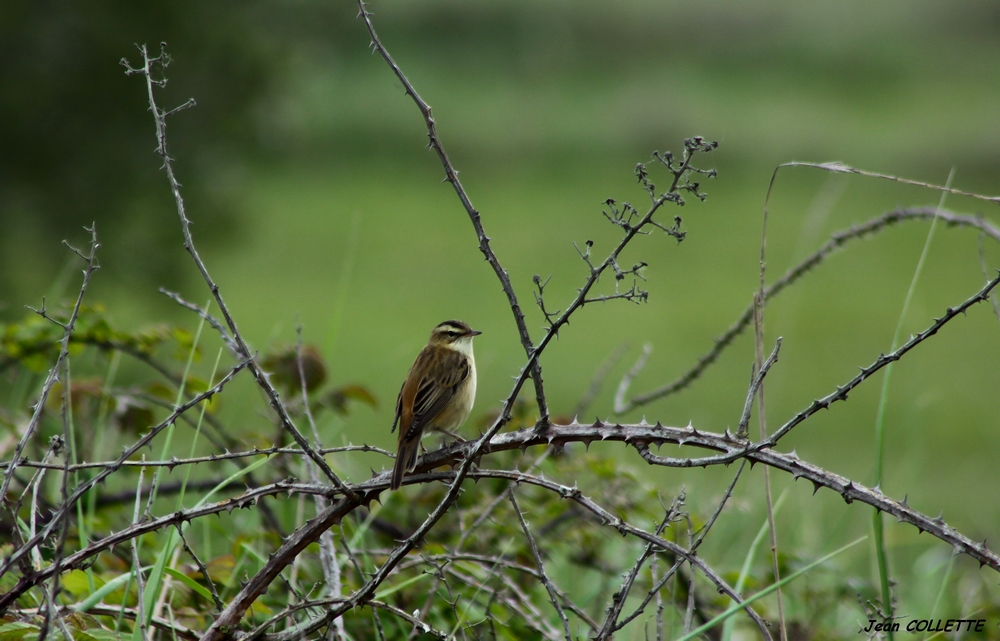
x=406 y=460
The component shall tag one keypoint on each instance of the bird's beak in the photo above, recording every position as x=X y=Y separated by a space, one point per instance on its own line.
x=474 y=332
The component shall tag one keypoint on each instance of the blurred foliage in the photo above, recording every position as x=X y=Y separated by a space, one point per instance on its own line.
x=281 y=81
x=76 y=140
x=289 y=368
x=34 y=342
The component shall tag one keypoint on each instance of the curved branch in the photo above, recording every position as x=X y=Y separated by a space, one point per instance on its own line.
x=209 y=458
x=451 y=176
x=836 y=241
x=242 y=349
x=53 y=376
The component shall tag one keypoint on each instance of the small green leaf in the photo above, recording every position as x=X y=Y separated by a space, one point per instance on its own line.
x=96 y=634
x=191 y=583
x=16 y=630
x=395 y=588
x=103 y=591
x=76 y=582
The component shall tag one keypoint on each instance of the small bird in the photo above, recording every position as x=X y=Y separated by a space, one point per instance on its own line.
x=437 y=394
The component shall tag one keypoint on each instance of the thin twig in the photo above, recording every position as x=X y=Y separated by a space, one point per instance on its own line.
x=203 y=313
x=81 y=489
x=242 y=349
x=485 y=514
x=836 y=241
x=702 y=533
x=546 y=581
x=327 y=551
x=618 y=598
x=521 y=604
x=60 y=544
x=451 y=176
x=754 y=386
x=498 y=561
x=201 y=568
x=53 y=376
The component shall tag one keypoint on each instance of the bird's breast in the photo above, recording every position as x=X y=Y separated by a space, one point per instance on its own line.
x=457 y=411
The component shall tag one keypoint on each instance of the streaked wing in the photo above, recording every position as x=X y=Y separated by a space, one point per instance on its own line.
x=434 y=390
x=399 y=408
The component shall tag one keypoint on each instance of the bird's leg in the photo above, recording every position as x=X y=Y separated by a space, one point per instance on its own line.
x=451 y=434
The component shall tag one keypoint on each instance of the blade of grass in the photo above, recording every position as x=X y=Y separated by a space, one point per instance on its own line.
x=98 y=595
x=379 y=596
x=98 y=451
x=941 y=591
x=252 y=552
x=343 y=283
x=191 y=583
x=768 y=590
x=197 y=432
x=233 y=477
x=155 y=581
x=727 y=630
x=877 y=523
x=479 y=588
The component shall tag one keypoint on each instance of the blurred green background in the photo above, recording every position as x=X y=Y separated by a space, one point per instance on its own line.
x=315 y=201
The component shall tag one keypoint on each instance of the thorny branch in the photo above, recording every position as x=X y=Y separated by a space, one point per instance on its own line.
x=53 y=375
x=836 y=241
x=618 y=598
x=540 y=564
x=451 y=176
x=26 y=582
x=243 y=350
x=637 y=436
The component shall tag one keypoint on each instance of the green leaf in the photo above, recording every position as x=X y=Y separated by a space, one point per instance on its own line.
x=76 y=582
x=395 y=588
x=191 y=583
x=16 y=630
x=104 y=591
x=96 y=634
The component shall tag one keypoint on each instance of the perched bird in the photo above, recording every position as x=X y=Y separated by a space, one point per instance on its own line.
x=437 y=394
